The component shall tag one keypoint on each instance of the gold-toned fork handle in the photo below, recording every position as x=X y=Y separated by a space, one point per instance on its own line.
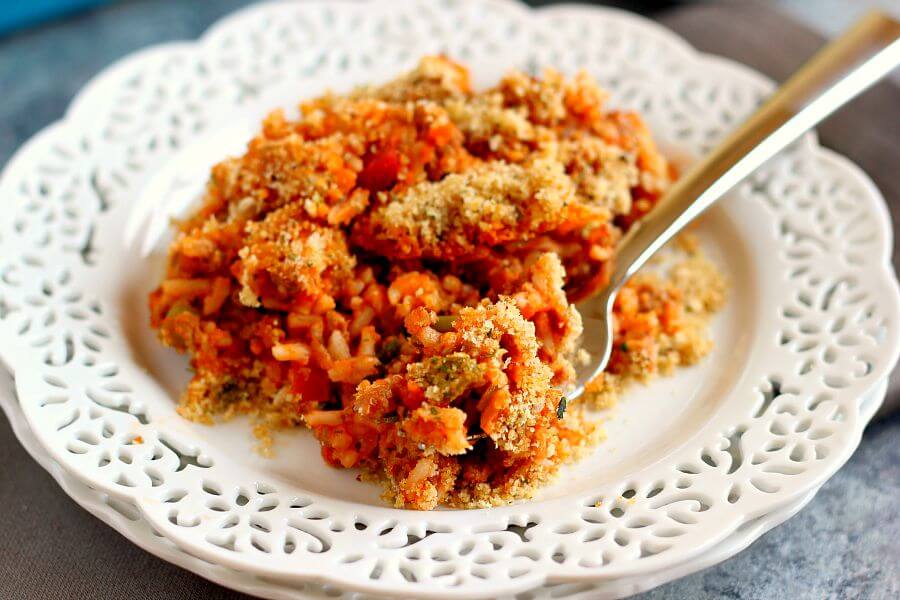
x=836 y=74
x=864 y=54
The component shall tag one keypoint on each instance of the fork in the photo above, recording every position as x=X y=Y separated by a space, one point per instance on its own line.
x=865 y=53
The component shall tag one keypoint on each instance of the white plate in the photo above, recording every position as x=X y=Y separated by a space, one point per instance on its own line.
x=811 y=327
x=127 y=520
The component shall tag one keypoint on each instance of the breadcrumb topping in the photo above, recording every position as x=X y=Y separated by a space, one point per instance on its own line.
x=459 y=216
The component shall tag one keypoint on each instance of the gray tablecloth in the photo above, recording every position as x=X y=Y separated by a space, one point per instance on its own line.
x=844 y=545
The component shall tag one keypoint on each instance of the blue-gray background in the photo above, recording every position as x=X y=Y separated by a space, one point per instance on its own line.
x=845 y=544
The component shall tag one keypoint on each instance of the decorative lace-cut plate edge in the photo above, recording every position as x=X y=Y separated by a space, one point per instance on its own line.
x=835 y=336
x=127 y=520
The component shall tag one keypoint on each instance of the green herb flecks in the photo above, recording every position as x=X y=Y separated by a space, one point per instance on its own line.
x=561 y=408
x=446 y=378
x=389 y=350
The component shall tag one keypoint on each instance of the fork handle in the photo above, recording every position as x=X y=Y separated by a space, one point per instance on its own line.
x=836 y=74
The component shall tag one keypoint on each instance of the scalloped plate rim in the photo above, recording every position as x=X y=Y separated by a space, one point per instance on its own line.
x=888 y=276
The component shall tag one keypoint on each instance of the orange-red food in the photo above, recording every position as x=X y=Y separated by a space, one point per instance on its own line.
x=308 y=288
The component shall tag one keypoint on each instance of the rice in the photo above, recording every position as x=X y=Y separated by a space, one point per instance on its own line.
x=315 y=284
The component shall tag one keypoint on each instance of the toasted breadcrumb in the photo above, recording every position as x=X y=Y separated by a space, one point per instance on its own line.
x=464 y=213
x=656 y=347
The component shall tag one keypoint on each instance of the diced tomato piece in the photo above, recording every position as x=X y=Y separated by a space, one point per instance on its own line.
x=311 y=383
x=441 y=134
x=495 y=404
x=412 y=396
x=671 y=316
x=380 y=173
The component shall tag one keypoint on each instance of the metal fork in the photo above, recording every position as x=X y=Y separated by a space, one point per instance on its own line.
x=865 y=53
